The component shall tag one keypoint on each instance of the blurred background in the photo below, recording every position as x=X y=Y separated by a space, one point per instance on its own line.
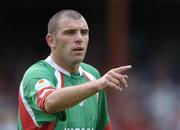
x=143 y=33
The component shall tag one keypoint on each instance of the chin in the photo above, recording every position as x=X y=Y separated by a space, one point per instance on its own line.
x=77 y=61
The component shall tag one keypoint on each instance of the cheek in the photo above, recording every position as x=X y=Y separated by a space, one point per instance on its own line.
x=65 y=49
x=86 y=43
x=61 y=44
x=87 y=40
x=64 y=44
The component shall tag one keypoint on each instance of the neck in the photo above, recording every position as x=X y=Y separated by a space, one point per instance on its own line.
x=69 y=67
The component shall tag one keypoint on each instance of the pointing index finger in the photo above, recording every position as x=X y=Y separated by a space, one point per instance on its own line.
x=123 y=68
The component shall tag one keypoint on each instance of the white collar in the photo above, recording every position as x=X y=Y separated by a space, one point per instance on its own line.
x=50 y=61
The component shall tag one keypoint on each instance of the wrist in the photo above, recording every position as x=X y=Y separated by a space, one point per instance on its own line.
x=100 y=84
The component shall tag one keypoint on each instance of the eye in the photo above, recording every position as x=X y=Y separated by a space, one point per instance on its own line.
x=85 y=32
x=70 y=32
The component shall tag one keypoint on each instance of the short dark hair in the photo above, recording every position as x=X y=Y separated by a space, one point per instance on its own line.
x=53 y=22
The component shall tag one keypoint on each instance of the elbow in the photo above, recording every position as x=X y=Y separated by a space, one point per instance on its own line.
x=49 y=106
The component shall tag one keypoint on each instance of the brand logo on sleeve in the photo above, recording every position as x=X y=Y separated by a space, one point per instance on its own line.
x=42 y=83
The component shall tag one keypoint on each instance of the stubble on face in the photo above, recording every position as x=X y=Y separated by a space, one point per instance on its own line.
x=72 y=41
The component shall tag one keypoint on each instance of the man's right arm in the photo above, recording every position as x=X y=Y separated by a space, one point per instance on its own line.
x=67 y=97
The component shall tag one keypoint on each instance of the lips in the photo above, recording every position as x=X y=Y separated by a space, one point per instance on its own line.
x=78 y=49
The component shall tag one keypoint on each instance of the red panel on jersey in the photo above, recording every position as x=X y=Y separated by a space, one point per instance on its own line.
x=109 y=126
x=27 y=122
x=41 y=96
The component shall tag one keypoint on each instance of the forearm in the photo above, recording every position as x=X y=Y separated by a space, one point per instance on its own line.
x=67 y=97
x=64 y=98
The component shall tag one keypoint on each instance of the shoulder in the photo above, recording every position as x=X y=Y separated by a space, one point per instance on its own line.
x=40 y=68
x=90 y=69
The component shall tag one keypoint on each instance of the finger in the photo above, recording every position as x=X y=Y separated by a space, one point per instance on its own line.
x=114 y=86
x=113 y=79
x=125 y=76
x=118 y=78
x=122 y=68
x=124 y=82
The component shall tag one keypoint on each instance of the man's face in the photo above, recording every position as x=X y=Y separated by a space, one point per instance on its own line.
x=71 y=41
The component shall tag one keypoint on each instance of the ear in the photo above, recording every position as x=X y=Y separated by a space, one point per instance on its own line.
x=50 y=40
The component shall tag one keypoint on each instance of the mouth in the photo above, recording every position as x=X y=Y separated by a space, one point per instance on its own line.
x=77 y=49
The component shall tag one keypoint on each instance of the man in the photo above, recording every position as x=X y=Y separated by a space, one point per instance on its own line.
x=61 y=92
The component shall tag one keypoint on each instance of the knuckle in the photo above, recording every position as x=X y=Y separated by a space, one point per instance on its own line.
x=121 y=77
x=110 y=72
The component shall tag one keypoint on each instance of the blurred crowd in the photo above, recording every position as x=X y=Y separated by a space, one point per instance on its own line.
x=151 y=101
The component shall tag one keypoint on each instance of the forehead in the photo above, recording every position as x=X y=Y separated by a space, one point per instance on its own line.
x=69 y=23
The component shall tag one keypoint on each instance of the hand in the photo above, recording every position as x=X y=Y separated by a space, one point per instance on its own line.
x=115 y=79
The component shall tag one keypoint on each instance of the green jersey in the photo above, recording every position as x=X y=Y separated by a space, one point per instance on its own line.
x=43 y=78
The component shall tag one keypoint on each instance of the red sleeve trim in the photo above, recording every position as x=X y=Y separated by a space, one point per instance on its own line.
x=41 y=96
x=109 y=126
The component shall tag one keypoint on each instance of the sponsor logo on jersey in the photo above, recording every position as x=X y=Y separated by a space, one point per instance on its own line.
x=42 y=83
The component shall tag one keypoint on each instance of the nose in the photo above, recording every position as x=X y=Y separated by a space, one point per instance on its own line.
x=79 y=37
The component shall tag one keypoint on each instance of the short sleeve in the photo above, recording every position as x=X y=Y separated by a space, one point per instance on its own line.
x=37 y=84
